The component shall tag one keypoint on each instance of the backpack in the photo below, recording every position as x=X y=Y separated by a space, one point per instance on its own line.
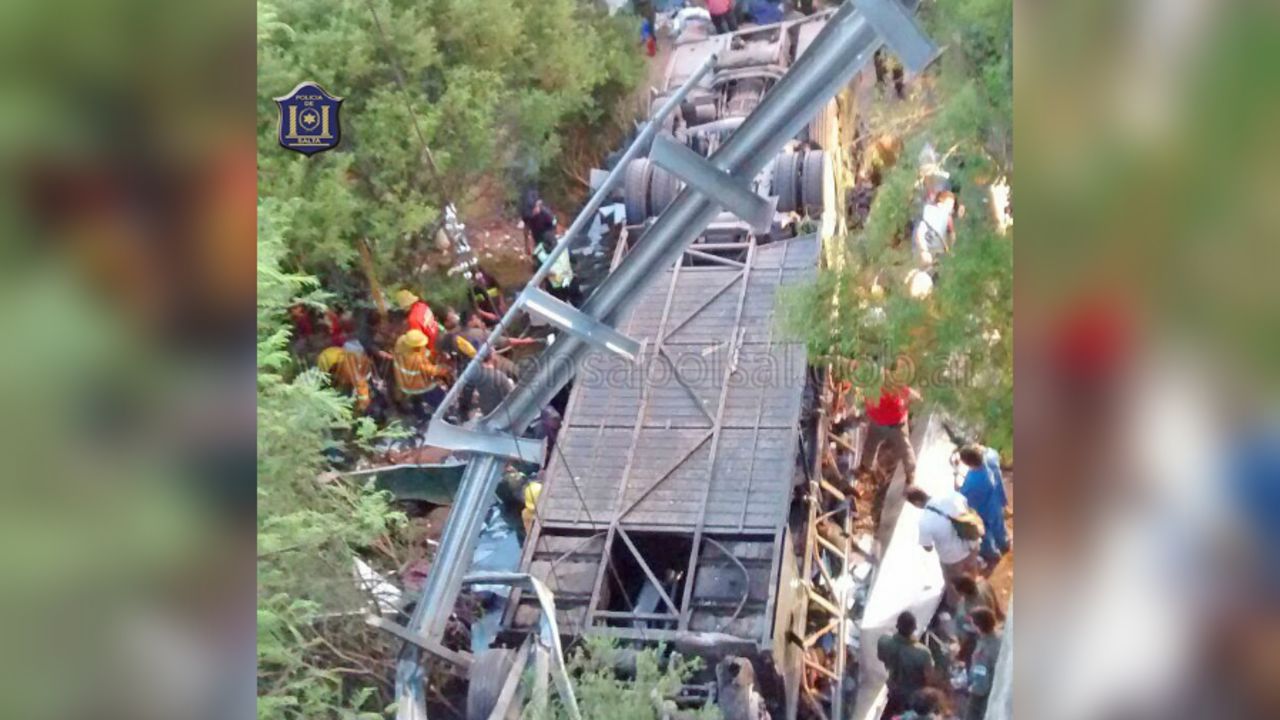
x=968 y=525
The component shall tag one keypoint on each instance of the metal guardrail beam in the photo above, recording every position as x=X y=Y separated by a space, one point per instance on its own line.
x=843 y=47
x=570 y=319
x=502 y=444
x=480 y=480
x=580 y=223
x=899 y=29
x=839 y=51
x=732 y=194
x=462 y=660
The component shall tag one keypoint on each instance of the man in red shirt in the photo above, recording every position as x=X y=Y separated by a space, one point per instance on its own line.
x=888 y=441
x=722 y=15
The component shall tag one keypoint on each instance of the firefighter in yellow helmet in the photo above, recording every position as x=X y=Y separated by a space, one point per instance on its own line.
x=418 y=316
x=351 y=370
x=329 y=358
x=418 y=380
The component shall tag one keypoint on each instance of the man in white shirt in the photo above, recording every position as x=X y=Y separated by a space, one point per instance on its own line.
x=936 y=231
x=956 y=555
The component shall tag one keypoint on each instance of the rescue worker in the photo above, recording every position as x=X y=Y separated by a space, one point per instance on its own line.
x=887 y=64
x=907 y=661
x=462 y=343
x=539 y=225
x=974 y=592
x=532 y=491
x=356 y=372
x=879 y=158
x=419 y=316
x=645 y=9
x=540 y=239
x=648 y=25
x=417 y=378
x=305 y=338
x=486 y=296
x=888 y=441
x=464 y=338
x=982 y=669
x=958 y=555
x=737 y=695
x=455 y=343
x=351 y=370
x=489 y=386
x=560 y=281
x=477 y=332
x=926 y=704
x=337 y=322
x=329 y=359
x=919 y=283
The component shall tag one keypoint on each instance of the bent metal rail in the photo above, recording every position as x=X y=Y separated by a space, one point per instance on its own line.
x=844 y=46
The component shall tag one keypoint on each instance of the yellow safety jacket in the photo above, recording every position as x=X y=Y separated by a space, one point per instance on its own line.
x=355 y=373
x=414 y=371
x=532 y=492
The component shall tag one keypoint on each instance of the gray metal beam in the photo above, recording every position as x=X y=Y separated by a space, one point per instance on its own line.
x=462 y=660
x=502 y=444
x=480 y=479
x=585 y=216
x=695 y=551
x=571 y=319
x=843 y=47
x=732 y=194
x=901 y=32
x=840 y=50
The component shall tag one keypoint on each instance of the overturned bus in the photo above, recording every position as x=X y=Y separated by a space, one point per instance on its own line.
x=682 y=501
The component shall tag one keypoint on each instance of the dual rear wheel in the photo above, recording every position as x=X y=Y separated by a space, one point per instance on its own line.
x=798 y=181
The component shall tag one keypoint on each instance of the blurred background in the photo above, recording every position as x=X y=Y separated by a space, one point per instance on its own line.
x=127 y=200
x=1145 y=369
x=1148 y=342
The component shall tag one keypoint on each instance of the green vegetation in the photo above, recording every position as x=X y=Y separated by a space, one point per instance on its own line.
x=311 y=637
x=601 y=694
x=499 y=90
x=956 y=345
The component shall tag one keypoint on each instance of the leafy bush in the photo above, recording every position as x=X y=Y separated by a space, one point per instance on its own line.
x=491 y=86
x=602 y=694
x=311 y=636
x=956 y=345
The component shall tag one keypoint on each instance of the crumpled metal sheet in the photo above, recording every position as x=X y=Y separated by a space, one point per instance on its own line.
x=497 y=551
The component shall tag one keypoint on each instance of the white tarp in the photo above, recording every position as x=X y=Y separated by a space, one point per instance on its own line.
x=908 y=577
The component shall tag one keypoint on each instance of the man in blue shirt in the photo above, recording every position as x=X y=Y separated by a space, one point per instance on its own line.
x=983 y=487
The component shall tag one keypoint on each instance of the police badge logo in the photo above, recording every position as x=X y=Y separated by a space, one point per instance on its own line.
x=309 y=119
